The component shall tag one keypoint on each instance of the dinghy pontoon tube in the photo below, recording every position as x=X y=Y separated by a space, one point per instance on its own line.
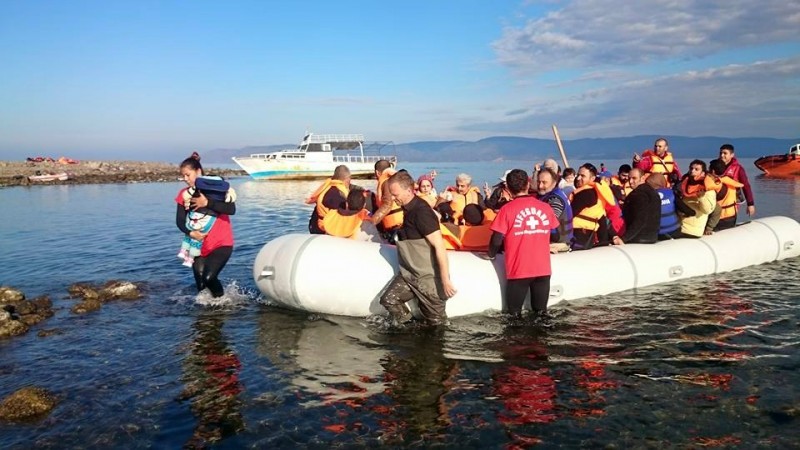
x=330 y=275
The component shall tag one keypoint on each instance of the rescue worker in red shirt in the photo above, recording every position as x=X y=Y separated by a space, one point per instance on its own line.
x=522 y=229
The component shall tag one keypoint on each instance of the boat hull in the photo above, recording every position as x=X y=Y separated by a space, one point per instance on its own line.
x=329 y=275
x=779 y=165
x=53 y=177
x=260 y=169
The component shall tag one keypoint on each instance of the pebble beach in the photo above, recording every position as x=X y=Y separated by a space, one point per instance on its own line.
x=17 y=173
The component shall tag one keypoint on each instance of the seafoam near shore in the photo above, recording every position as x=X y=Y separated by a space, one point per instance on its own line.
x=16 y=173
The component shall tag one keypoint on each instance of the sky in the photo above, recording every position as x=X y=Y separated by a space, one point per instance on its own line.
x=124 y=79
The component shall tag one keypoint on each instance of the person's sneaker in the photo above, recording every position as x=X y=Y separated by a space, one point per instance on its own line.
x=188 y=262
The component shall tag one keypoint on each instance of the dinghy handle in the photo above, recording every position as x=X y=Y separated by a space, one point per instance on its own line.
x=267 y=272
x=788 y=245
x=675 y=271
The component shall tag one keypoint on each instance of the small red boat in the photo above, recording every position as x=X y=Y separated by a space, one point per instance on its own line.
x=786 y=165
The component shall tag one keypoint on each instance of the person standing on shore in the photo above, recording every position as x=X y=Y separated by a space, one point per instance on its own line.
x=217 y=244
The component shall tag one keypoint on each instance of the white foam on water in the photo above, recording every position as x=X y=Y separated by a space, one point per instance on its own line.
x=234 y=295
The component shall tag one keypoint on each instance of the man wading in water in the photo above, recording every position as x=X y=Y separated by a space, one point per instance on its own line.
x=424 y=271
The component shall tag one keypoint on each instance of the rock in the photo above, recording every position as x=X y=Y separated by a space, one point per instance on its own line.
x=42 y=303
x=115 y=289
x=27 y=403
x=31 y=319
x=24 y=307
x=83 y=290
x=5 y=316
x=86 y=306
x=10 y=295
x=49 y=332
x=12 y=328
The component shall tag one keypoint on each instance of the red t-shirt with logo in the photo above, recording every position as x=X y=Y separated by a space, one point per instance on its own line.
x=526 y=223
x=220 y=235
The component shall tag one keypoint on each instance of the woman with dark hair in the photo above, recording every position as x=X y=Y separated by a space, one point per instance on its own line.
x=217 y=243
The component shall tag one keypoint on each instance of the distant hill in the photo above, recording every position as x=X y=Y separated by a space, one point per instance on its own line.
x=521 y=148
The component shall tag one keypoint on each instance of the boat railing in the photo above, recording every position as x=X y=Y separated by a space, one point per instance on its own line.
x=361 y=158
x=334 y=138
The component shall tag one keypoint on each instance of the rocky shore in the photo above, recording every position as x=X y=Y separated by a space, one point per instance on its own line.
x=17 y=173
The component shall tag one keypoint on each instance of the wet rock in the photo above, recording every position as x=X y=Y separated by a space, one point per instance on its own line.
x=31 y=319
x=27 y=403
x=24 y=307
x=49 y=332
x=10 y=328
x=83 y=290
x=10 y=295
x=42 y=304
x=119 y=290
x=86 y=306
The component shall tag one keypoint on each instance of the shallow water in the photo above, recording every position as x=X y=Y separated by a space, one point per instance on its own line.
x=711 y=362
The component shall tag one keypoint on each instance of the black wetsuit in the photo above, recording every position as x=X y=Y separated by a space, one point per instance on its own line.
x=207 y=268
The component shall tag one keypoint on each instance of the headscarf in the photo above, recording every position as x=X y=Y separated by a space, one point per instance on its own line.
x=423 y=178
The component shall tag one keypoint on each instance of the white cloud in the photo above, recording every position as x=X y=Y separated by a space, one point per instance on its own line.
x=593 y=33
x=757 y=99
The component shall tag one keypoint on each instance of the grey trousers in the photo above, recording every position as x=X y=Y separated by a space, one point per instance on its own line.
x=400 y=291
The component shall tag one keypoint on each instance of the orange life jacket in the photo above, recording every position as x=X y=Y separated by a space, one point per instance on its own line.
x=460 y=201
x=394 y=218
x=625 y=187
x=728 y=203
x=318 y=195
x=451 y=241
x=665 y=165
x=693 y=190
x=340 y=225
x=475 y=238
x=588 y=218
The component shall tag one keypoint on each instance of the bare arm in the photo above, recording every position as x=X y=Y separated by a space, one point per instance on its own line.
x=386 y=204
x=435 y=239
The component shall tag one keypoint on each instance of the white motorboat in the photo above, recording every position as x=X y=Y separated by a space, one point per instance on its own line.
x=316 y=157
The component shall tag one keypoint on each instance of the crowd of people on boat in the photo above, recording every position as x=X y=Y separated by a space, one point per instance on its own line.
x=528 y=217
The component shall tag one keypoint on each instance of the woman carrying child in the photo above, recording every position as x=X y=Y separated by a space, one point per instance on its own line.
x=217 y=243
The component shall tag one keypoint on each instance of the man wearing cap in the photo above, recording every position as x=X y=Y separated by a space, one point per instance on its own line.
x=498 y=195
x=548 y=191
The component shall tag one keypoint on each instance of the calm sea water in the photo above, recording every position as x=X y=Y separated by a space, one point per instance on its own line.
x=710 y=362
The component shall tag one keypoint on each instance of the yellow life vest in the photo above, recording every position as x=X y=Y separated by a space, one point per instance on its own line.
x=340 y=225
x=429 y=198
x=460 y=201
x=665 y=165
x=394 y=218
x=728 y=203
x=451 y=241
x=589 y=218
x=319 y=195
